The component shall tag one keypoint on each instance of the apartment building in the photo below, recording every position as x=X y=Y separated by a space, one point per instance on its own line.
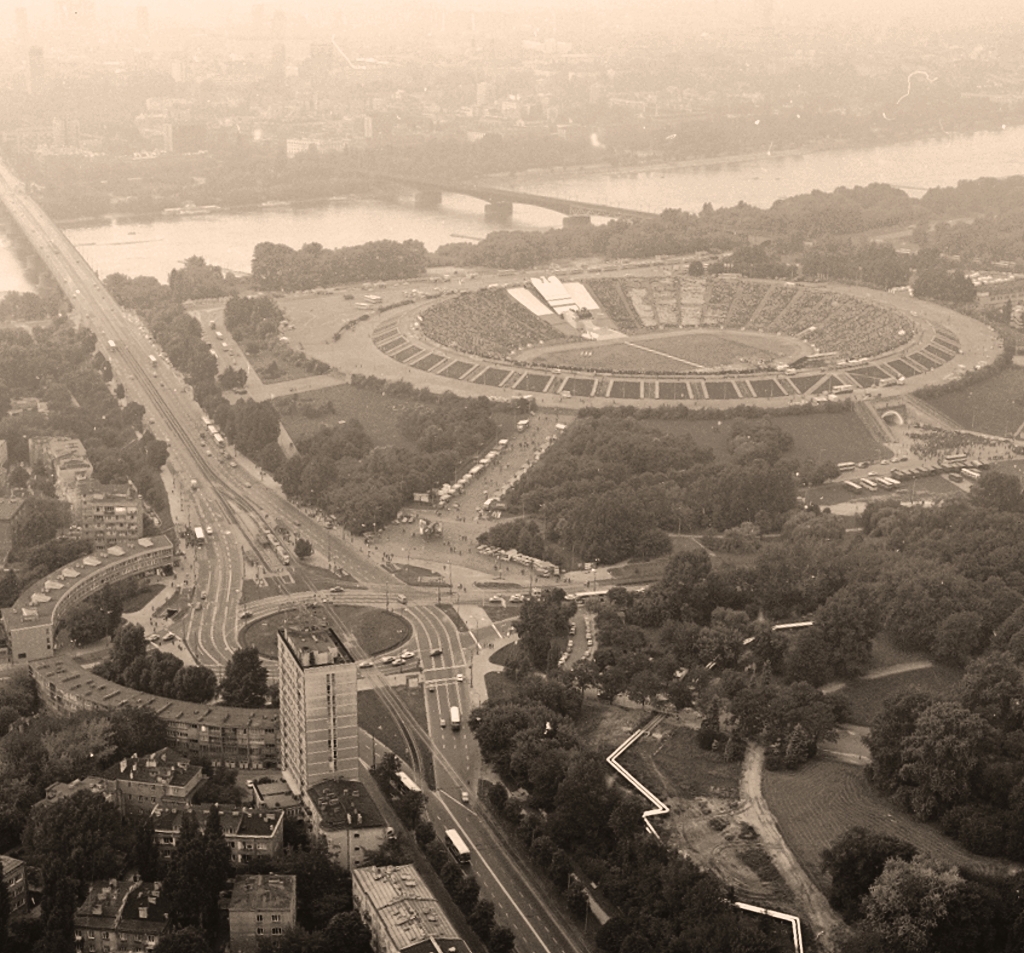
x=319 y=733
x=262 y=905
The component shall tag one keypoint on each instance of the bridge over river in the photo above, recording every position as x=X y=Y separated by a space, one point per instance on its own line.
x=500 y=202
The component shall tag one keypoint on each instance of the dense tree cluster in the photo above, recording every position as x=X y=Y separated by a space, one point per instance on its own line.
x=871 y=263
x=900 y=901
x=277 y=267
x=153 y=671
x=572 y=819
x=196 y=280
x=612 y=486
x=20 y=307
x=245 y=680
x=57 y=363
x=948 y=285
x=339 y=470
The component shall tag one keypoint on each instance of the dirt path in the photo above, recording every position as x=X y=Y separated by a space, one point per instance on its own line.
x=821 y=920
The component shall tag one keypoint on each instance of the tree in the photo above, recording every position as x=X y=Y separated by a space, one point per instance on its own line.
x=303 y=548
x=885 y=742
x=940 y=757
x=481 y=919
x=854 y=861
x=245 y=680
x=5 y=908
x=502 y=940
x=187 y=940
x=194 y=683
x=346 y=931
x=83 y=835
x=909 y=902
x=999 y=490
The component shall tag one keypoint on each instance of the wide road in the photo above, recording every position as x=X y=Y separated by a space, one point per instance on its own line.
x=240 y=510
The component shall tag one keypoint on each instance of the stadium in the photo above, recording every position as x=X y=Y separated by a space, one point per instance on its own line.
x=673 y=336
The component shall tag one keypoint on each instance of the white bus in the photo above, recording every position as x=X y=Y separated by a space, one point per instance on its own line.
x=200 y=535
x=845 y=467
x=456 y=846
x=843 y=389
x=405 y=783
x=851 y=485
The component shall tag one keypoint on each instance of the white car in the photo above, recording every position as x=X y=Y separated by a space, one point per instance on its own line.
x=366 y=664
x=460 y=677
x=408 y=655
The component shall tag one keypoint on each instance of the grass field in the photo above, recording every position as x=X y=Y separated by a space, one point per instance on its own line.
x=375 y=630
x=141 y=599
x=378 y=414
x=818 y=437
x=815 y=805
x=676 y=766
x=994 y=406
x=375 y=718
x=866 y=697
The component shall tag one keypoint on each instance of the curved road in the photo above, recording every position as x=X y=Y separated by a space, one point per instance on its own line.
x=240 y=512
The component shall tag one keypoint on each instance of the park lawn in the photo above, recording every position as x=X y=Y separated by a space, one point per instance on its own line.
x=375 y=718
x=994 y=405
x=304 y=414
x=816 y=436
x=818 y=803
x=374 y=629
x=866 y=697
x=141 y=599
x=676 y=766
x=602 y=727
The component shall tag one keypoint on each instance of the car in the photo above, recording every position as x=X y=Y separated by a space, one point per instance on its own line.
x=245 y=615
x=387 y=660
x=430 y=688
x=460 y=677
x=408 y=655
x=465 y=797
x=444 y=724
x=496 y=600
x=248 y=485
x=336 y=589
x=403 y=600
x=436 y=652
x=517 y=597
x=398 y=661
x=367 y=664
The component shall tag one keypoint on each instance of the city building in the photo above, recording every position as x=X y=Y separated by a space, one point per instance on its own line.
x=12 y=516
x=345 y=817
x=319 y=734
x=121 y=916
x=250 y=835
x=60 y=790
x=13 y=872
x=67 y=458
x=401 y=913
x=226 y=737
x=261 y=905
x=27 y=626
x=275 y=795
x=105 y=513
x=164 y=777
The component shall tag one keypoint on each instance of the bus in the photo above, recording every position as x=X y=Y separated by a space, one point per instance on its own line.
x=206 y=420
x=843 y=389
x=971 y=474
x=851 y=485
x=456 y=718
x=200 y=535
x=844 y=467
x=218 y=439
x=456 y=846
x=405 y=783
x=955 y=458
x=869 y=484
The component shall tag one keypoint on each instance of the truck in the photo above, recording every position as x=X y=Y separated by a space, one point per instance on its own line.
x=455 y=718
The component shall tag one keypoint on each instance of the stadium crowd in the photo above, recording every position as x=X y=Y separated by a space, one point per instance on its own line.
x=489 y=322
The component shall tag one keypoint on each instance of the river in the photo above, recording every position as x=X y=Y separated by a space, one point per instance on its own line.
x=228 y=238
